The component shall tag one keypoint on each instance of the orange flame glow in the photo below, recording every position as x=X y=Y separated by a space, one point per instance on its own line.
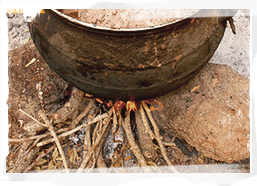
x=159 y=108
x=109 y=103
x=119 y=105
x=131 y=106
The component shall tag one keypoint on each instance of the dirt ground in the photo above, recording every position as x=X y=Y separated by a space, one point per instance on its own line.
x=34 y=87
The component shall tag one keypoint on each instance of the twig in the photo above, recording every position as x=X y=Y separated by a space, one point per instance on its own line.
x=171 y=144
x=32 y=118
x=40 y=94
x=39 y=158
x=32 y=61
x=90 y=152
x=24 y=161
x=68 y=109
x=35 y=142
x=87 y=138
x=98 y=139
x=92 y=163
x=96 y=131
x=82 y=114
x=115 y=123
x=51 y=130
x=88 y=144
x=25 y=153
x=145 y=122
x=16 y=150
x=121 y=151
x=134 y=147
x=98 y=118
x=10 y=140
x=26 y=157
x=87 y=141
x=101 y=124
x=100 y=163
x=145 y=141
x=158 y=137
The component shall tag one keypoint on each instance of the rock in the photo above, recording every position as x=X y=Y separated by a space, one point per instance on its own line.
x=211 y=112
x=18 y=31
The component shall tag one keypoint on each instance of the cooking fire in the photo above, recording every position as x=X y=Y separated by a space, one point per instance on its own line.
x=130 y=105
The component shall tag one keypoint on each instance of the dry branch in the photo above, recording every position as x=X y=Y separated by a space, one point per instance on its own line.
x=121 y=150
x=134 y=147
x=87 y=141
x=100 y=163
x=82 y=114
x=115 y=123
x=145 y=122
x=39 y=158
x=69 y=108
x=51 y=130
x=10 y=140
x=158 y=137
x=145 y=141
x=32 y=118
x=94 y=120
x=98 y=139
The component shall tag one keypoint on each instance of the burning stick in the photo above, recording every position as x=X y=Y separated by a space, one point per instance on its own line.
x=115 y=124
x=100 y=163
x=134 y=147
x=158 y=137
x=88 y=144
x=82 y=114
x=69 y=108
x=98 y=139
x=87 y=141
x=145 y=141
x=146 y=124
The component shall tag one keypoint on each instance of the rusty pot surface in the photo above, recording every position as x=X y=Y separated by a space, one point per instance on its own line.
x=128 y=64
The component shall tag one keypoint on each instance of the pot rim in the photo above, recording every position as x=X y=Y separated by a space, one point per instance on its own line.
x=119 y=29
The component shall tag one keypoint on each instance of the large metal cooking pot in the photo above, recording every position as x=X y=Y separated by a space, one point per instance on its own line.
x=128 y=63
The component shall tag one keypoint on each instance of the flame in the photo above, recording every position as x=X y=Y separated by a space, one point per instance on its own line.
x=119 y=105
x=152 y=108
x=109 y=103
x=131 y=105
x=88 y=95
x=99 y=100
